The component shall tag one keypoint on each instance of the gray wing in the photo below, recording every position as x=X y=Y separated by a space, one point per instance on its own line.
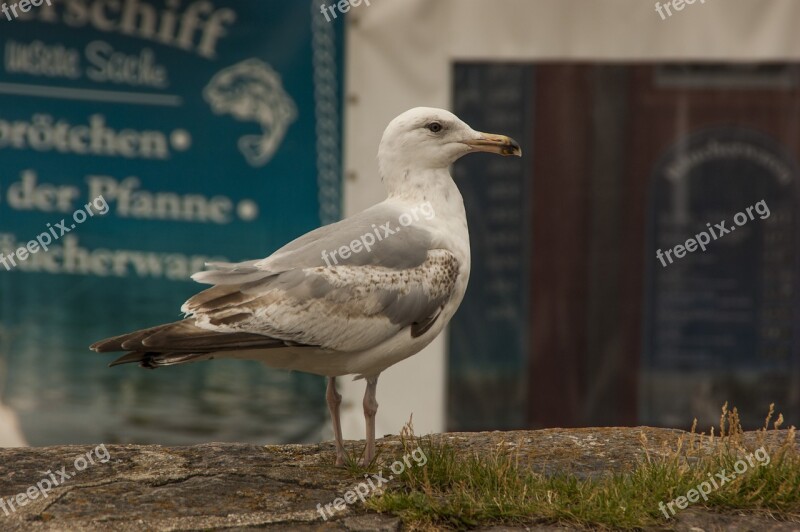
x=391 y=246
x=394 y=246
x=353 y=304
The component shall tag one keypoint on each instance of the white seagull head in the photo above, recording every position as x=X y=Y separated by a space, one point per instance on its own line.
x=426 y=138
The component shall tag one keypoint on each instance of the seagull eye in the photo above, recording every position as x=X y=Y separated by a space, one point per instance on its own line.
x=435 y=127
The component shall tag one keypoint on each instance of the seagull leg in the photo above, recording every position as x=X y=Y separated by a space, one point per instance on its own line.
x=334 y=400
x=370 y=409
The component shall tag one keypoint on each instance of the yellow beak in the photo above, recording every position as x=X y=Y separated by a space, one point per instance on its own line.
x=499 y=144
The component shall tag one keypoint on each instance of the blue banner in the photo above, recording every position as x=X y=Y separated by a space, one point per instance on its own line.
x=138 y=140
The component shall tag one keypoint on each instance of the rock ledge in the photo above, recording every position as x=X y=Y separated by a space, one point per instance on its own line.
x=236 y=486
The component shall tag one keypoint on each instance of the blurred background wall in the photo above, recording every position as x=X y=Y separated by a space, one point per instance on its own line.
x=561 y=324
x=569 y=319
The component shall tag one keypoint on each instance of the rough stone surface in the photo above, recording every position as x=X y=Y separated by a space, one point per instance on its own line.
x=236 y=487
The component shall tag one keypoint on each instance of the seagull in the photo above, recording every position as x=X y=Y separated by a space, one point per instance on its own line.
x=350 y=298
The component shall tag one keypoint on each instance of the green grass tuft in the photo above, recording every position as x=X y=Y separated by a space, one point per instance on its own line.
x=460 y=491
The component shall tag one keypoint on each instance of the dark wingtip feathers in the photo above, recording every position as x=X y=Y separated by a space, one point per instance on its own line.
x=179 y=343
x=129 y=358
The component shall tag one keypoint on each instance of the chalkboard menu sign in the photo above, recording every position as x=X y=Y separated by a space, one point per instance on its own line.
x=488 y=351
x=139 y=139
x=722 y=272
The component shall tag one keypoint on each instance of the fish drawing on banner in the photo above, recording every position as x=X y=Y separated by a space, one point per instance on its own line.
x=252 y=91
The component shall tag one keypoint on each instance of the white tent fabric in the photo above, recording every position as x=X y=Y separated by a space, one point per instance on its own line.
x=10 y=432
